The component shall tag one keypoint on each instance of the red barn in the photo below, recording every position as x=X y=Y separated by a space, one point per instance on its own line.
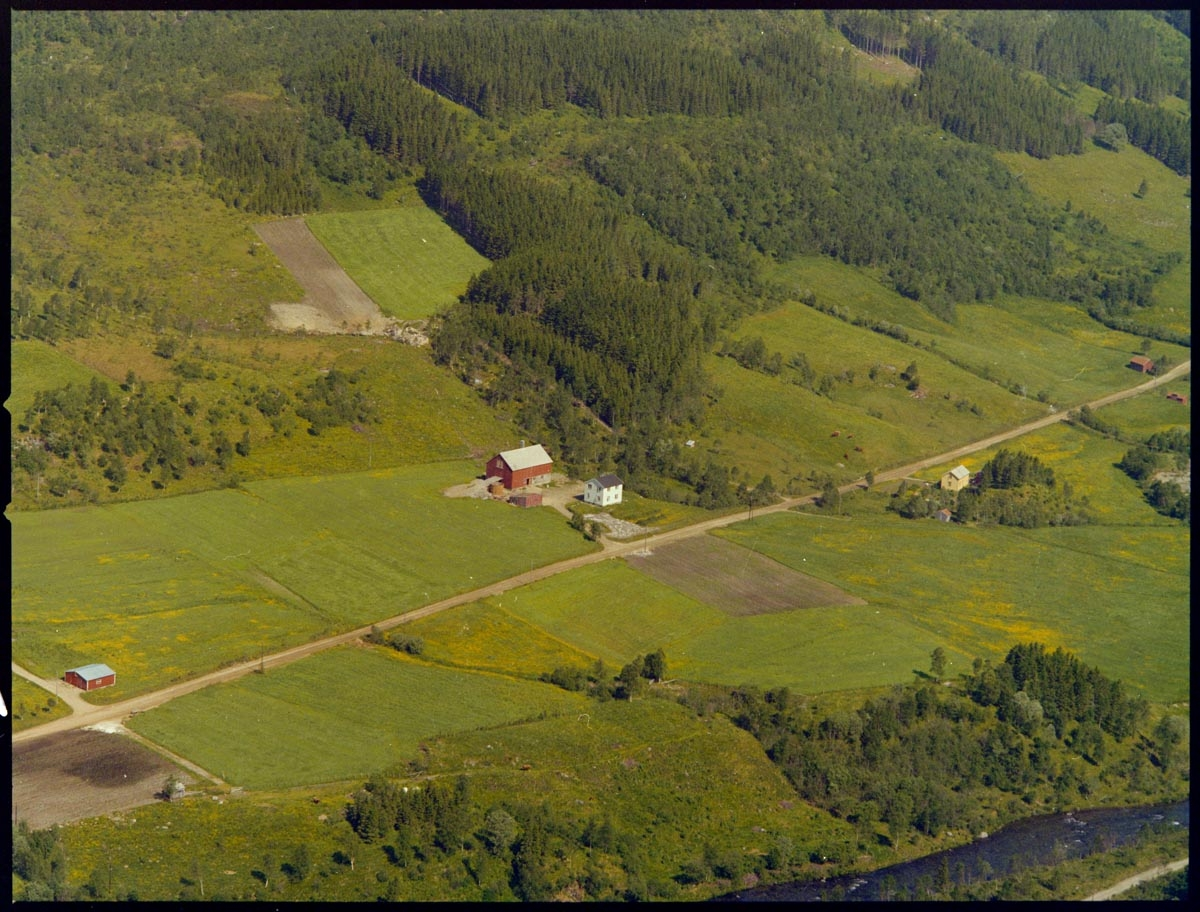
x=91 y=677
x=1141 y=363
x=516 y=468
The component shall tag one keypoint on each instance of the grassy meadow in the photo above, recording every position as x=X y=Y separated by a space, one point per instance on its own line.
x=163 y=232
x=611 y=612
x=650 y=764
x=36 y=366
x=1142 y=416
x=409 y=261
x=976 y=378
x=976 y=591
x=372 y=707
x=768 y=425
x=31 y=705
x=1062 y=352
x=424 y=415
x=1104 y=184
x=162 y=590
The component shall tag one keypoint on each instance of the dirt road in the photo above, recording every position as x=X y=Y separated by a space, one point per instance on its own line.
x=1130 y=882
x=87 y=714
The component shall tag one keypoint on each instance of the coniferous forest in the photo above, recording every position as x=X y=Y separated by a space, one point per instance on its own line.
x=708 y=145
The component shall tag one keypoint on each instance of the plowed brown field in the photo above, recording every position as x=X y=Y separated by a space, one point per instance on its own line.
x=332 y=302
x=79 y=774
x=735 y=579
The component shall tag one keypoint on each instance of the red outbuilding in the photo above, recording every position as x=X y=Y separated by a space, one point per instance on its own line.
x=1142 y=363
x=91 y=677
x=517 y=468
x=530 y=499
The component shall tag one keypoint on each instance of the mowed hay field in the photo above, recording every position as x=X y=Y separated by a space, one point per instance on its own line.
x=166 y=589
x=409 y=261
x=339 y=715
x=612 y=613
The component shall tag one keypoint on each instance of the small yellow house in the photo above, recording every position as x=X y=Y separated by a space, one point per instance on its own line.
x=956 y=479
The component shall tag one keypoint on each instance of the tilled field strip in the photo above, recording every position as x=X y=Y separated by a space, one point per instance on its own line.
x=329 y=292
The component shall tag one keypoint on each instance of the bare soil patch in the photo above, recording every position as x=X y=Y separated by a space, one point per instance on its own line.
x=1183 y=479
x=332 y=302
x=736 y=580
x=85 y=773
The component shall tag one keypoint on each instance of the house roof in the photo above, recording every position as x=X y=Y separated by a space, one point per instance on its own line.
x=1140 y=359
x=526 y=457
x=959 y=472
x=91 y=672
x=608 y=481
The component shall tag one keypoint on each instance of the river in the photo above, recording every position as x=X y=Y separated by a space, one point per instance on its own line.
x=1034 y=841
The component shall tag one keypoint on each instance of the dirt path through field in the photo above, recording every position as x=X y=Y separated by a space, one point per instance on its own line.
x=89 y=714
x=332 y=302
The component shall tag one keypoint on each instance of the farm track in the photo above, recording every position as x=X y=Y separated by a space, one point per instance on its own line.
x=88 y=714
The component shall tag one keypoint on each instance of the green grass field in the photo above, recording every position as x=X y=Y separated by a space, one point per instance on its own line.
x=372 y=709
x=487 y=637
x=1102 y=183
x=767 y=424
x=162 y=590
x=611 y=612
x=1142 y=416
x=408 y=260
x=36 y=366
x=31 y=705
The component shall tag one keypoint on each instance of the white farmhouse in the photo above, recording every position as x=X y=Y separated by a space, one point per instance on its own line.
x=603 y=491
x=956 y=479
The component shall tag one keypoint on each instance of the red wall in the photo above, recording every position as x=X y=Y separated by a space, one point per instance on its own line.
x=498 y=468
x=522 y=476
